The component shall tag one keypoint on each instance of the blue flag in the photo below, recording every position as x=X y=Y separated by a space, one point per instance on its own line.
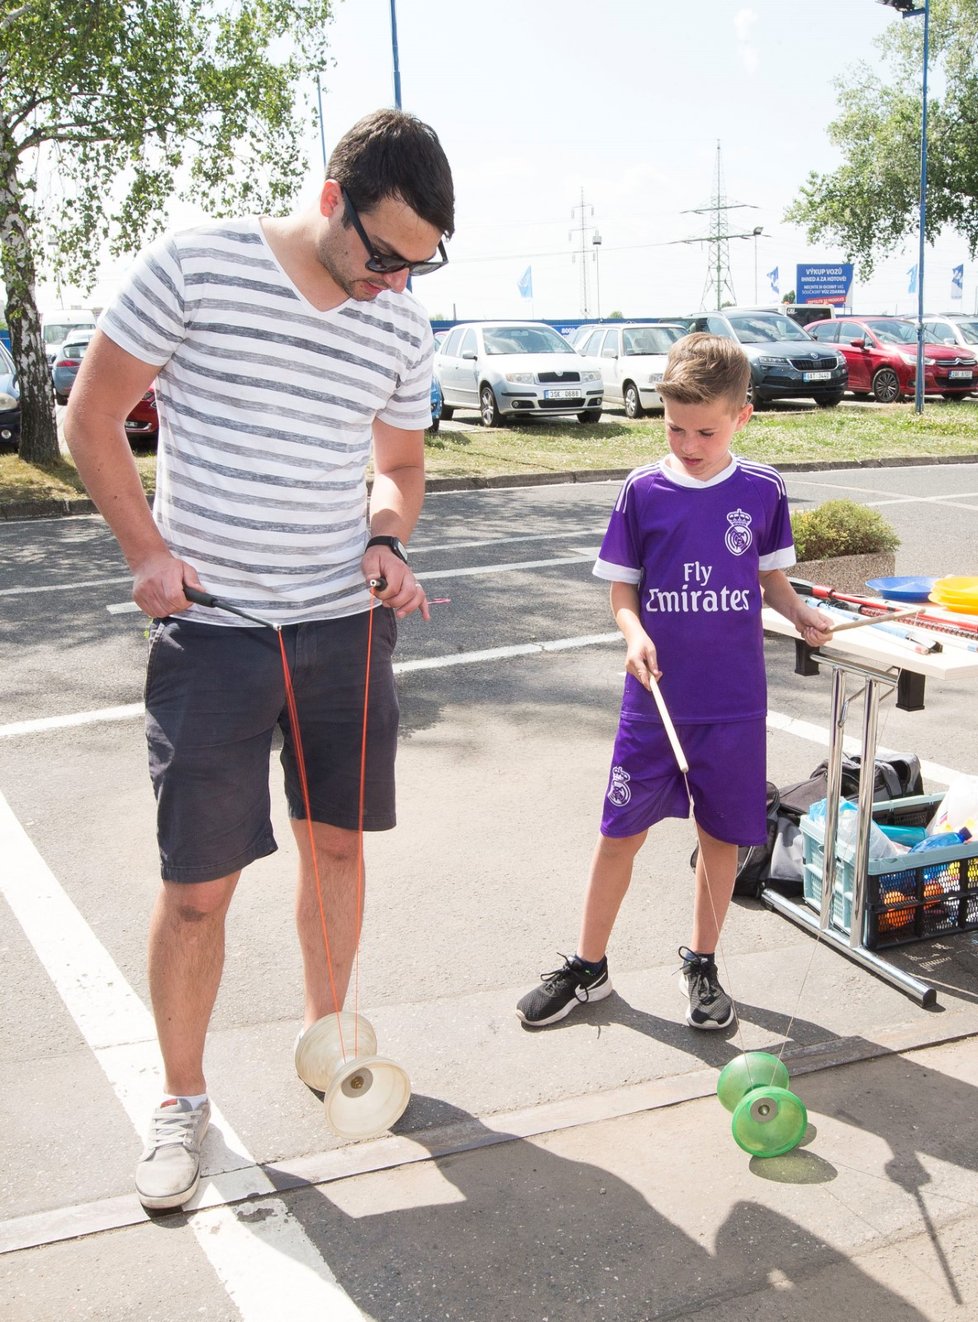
x=912 y=273
x=775 y=280
x=957 y=281
x=526 y=283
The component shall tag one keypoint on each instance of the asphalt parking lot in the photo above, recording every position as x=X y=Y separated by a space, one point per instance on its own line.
x=509 y=699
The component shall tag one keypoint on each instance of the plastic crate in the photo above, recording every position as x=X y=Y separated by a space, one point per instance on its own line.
x=911 y=898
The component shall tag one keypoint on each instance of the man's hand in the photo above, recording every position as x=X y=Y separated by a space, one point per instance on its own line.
x=157 y=585
x=641 y=660
x=403 y=593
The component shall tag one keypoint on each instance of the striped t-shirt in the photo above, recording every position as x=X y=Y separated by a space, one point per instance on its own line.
x=266 y=409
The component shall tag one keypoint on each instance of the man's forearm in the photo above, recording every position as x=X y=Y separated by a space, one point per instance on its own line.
x=396 y=501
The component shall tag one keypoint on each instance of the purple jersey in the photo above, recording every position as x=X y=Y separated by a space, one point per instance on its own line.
x=694 y=551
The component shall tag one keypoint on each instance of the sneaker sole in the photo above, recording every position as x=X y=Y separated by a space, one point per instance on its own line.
x=709 y=1025
x=598 y=994
x=168 y=1202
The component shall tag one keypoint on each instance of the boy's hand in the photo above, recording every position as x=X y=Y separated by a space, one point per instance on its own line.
x=814 y=626
x=641 y=661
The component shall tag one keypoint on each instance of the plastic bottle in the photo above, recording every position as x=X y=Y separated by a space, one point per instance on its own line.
x=943 y=841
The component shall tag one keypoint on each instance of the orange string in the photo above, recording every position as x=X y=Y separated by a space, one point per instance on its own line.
x=307 y=804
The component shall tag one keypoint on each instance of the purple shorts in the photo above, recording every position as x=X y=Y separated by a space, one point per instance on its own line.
x=727 y=779
x=215 y=699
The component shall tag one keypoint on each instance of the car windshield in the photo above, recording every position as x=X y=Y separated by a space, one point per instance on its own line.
x=760 y=328
x=56 y=332
x=650 y=339
x=524 y=339
x=969 y=331
x=889 y=330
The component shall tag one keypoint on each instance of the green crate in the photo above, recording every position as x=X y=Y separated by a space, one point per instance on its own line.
x=915 y=897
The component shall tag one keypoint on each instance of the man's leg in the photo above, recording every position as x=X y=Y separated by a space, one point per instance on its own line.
x=337 y=856
x=186 y=958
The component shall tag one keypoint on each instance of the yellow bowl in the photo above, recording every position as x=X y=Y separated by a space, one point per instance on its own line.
x=958 y=607
x=957 y=583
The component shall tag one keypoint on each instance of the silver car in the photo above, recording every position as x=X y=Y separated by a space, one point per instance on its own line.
x=632 y=357
x=515 y=368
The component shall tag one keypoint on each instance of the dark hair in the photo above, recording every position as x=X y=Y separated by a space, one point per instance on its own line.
x=392 y=154
x=702 y=367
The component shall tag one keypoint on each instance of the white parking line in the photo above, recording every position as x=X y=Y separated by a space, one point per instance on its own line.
x=261 y=1263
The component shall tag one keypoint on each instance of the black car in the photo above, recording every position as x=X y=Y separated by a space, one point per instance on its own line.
x=785 y=361
x=9 y=400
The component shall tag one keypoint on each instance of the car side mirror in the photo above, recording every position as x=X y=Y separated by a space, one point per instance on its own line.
x=470 y=353
x=858 y=344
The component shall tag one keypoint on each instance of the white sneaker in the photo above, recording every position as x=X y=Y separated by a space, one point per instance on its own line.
x=169 y=1169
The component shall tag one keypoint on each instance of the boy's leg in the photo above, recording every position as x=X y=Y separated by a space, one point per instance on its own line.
x=716 y=871
x=716 y=868
x=610 y=877
x=585 y=977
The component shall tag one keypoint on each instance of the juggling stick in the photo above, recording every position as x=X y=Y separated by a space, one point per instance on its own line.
x=873 y=619
x=677 y=747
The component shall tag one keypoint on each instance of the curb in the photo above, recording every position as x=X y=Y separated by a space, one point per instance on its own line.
x=58 y=507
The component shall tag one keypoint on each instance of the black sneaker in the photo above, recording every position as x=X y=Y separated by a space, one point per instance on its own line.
x=562 y=990
x=709 y=1004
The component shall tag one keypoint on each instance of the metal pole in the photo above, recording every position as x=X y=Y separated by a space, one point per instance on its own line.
x=397 y=69
x=919 y=388
x=322 y=127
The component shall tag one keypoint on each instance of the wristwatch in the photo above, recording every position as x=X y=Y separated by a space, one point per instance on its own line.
x=394 y=544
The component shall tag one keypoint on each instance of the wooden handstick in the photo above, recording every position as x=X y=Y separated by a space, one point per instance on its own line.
x=677 y=747
x=874 y=619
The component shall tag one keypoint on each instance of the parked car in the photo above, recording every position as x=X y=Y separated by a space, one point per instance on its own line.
x=142 y=424
x=803 y=313
x=61 y=325
x=951 y=328
x=436 y=404
x=882 y=357
x=632 y=357
x=516 y=368
x=9 y=400
x=784 y=363
x=67 y=361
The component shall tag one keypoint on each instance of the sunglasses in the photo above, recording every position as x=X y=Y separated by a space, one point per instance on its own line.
x=388 y=265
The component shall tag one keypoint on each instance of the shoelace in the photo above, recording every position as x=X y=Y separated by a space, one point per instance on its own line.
x=171 y=1125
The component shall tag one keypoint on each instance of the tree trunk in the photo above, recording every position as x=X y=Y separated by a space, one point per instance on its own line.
x=38 y=430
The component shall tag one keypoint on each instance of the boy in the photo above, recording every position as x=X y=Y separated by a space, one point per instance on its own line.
x=694 y=543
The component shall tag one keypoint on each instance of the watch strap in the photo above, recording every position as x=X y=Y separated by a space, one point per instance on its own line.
x=392 y=543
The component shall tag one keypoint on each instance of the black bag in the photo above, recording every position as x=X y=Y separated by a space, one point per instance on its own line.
x=779 y=859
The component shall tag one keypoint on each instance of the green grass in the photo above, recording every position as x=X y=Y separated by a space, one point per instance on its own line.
x=776 y=435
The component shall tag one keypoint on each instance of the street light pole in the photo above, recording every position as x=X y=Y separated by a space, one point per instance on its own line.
x=596 y=245
x=913 y=9
x=397 y=67
x=758 y=231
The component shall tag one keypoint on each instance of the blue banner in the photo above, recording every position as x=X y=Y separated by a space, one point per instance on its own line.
x=526 y=283
x=957 y=281
x=824 y=283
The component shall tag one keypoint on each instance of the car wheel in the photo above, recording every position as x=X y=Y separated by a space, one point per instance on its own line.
x=59 y=398
x=446 y=412
x=829 y=401
x=886 y=386
x=633 y=402
x=434 y=425
x=955 y=397
x=491 y=417
x=589 y=415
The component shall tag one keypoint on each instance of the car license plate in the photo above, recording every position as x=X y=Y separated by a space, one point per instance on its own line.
x=816 y=376
x=960 y=376
x=561 y=394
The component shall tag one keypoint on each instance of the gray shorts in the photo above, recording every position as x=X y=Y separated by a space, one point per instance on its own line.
x=214 y=698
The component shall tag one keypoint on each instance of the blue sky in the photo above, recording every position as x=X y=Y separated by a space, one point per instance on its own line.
x=622 y=102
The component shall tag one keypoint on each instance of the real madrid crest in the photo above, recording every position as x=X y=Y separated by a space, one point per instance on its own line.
x=738 y=536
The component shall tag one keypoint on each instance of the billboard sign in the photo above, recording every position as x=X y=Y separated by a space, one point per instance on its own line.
x=824 y=283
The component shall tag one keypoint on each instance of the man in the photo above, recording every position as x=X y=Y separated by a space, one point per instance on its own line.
x=285 y=351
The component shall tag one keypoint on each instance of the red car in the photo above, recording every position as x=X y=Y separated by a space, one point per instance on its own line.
x=881 y=354
x=142 y=424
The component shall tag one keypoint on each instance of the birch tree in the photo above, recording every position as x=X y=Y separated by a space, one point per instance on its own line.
x=136 y=102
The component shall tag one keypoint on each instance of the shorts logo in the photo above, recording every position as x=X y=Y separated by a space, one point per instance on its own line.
x=738 y=536
x=619 y=793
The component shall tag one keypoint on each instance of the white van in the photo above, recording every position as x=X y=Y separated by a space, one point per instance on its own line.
x=58 y=325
